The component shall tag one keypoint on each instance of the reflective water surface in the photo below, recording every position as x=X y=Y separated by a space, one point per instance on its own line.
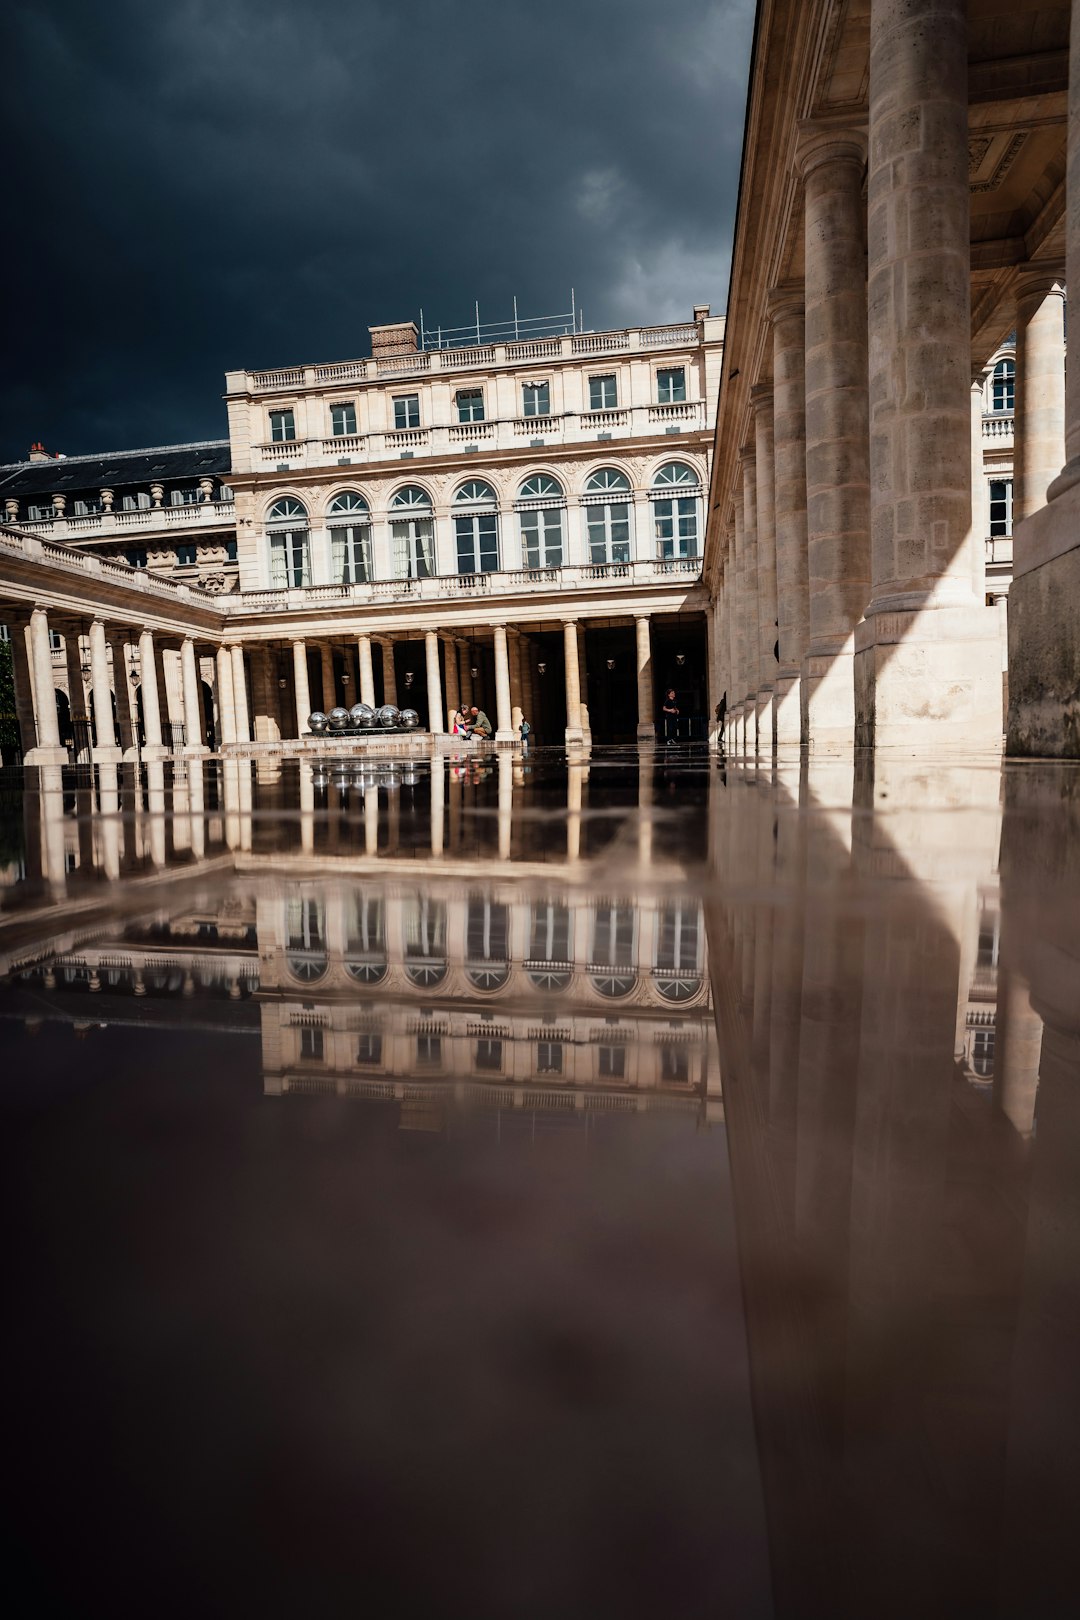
x=532 y=1186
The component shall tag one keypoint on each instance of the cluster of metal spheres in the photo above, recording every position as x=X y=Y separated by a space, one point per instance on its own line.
x=362 y=717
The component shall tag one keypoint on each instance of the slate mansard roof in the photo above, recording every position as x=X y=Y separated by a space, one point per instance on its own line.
x=165 y=464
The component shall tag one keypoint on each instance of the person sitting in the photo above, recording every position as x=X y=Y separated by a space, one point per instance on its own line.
x=461 y=722
x=479 y=724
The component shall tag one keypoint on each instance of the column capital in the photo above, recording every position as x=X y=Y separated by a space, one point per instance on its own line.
x=1034 y=282
x=785 y=299
x=761 y=394
x=829 y=140
x=747 y=452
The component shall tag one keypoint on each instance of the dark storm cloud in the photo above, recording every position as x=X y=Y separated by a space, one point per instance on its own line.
x=217 y=183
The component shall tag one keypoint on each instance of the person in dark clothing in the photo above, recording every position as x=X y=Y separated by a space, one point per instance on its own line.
x=671 y=716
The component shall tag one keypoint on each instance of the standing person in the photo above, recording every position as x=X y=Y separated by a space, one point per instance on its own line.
x=480 y=725
x=526 y=732
x=671 y=716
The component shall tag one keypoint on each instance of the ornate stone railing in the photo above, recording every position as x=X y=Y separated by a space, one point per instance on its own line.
x=146 y=520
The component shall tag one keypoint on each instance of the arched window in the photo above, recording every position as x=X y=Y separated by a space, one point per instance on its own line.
x=612 y=957
x=675 y=496
x=476 y=529
x=305 y=938
x=350 y=538
x=425 y=941
x=290 y=551
x=412 y=528
x=548 y=965
x=540 y=514
x=678 y=953
x=607 y=516
x=1003 y=386
x=487 y=943
x=365 y=944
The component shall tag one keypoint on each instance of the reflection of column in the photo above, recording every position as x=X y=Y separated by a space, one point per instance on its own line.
x=230 y=785
x=927 y=656
x=436 y=720
x=833 y=162
x=504 y=731
x=367 y=673
x=762 y=403
x=50 y=785
x=45 y=719
x=371 y=821
x=190 y=679
x=226 y=702
x=575 y=776
x=307 y=808
x=196 y=804
x=1039 y=437
x=573 y=682
x=151 y=708
x=646 y=726
x=300 y=687
x=155 y=804
x=1018 y=1033
x=109 y=806
x=240 y=697
x=101 y=691
x=438 y=803
x=786 y=307
x=329 y=695
x=506 y=804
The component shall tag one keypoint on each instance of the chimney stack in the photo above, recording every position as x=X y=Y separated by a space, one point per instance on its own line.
x=38 y=452
x=390 y=340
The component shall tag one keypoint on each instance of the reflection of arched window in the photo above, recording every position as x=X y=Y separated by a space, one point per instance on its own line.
x=607 y=516
x=540 y=514
x=1003 y=386
x=425 y=941
x=350 y=538
x=678 y=952
x=612 y=955
x=290 y=552
x=675 y=496
x=365 y=944
x=487 y=943
x=549 y=965
x=412 y=529
x=305 y=938
x=476 y=528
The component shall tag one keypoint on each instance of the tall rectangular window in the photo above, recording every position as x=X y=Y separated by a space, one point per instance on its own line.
x=603 y=393
x=1000 y=507
x=342 y=420
x=135 y=558
x=612 y=1062
x=670 y=385
x=369 y=1050
x=549 y=1057
x=477 y=543
x=535 y=399
x=541 y=538
x=185 y=556
x=311 y=1045
x=282 y=427
x=406 y=411
x=489 y=1056
x=470 y=404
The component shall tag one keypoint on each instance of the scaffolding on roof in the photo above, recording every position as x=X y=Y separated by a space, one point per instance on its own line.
x=515 y=330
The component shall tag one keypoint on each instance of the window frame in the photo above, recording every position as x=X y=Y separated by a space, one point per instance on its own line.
x=1005 y=520
x=409 y=405
x=288 y=425
x=474 y=396
x=598 y=383
x=671 y=398
x=343 y=432
x=536 y=387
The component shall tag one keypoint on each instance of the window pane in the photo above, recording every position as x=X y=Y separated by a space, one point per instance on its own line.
x=470 y=405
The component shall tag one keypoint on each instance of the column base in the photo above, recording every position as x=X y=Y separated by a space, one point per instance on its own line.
x=646 y=733
x=827 y=699
x=106 y=756
x=153 y=752
x=506 y=737
x=787 y=712
x=929 y=679
x=195 y=752
x=575 y=737
x=49 y=754
x=1044 y=634
x=764 y=716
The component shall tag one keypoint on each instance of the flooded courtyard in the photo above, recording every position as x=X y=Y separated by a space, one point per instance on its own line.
x=542 y=1184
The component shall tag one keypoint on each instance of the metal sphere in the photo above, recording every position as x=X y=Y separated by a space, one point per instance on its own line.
x=317 y=722
x=339 y=719
x=388 y=715
x=410 y=719
x=363 y=715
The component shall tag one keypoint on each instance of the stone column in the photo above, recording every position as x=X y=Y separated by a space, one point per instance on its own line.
x=453 y=687
x=154 y=747
x=646 y=724
x=240 y=697
x=125 y=718
x=787 y=310
x=748 y=612
x=76 y=690
x=1039 y=423
x=367 y=673
x=47 y=750
x=517 y=696
x=733 y=594
x=761 y=397
x=389 y=673
x=980 y=515
x=832 y=160
x=329 y=696
x=192 y=715
x=928 y=664
x=101 y=693
x=573 y=683
x=300 y=686
x=504 y=727
x=583 y=691
x=436 y=719
x=226 y=700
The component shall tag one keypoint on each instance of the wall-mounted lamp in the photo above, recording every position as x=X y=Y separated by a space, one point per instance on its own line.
x=282 y=682
x=680 y=659
x=134 y=678
x=409 y=677
x=344 y=677
x=541 y=669
x=611 y=663
x=474 y=672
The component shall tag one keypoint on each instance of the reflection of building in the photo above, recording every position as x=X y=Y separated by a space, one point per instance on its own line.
x=515 y=522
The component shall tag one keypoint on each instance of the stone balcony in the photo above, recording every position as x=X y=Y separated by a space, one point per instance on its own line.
x=513 y=433
x=145 y=523
x=997 y=429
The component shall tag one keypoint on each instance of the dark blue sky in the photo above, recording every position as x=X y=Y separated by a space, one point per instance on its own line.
x=205 y=184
